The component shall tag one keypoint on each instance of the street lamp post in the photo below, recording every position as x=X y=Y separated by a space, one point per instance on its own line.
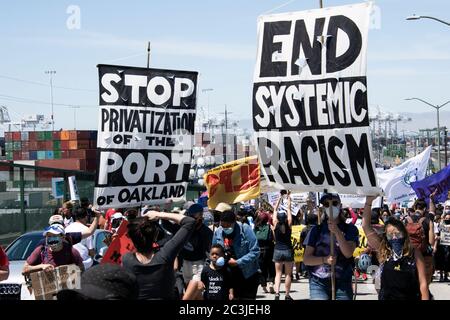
x=51 y=73
x=437 y=107
x=414 y=17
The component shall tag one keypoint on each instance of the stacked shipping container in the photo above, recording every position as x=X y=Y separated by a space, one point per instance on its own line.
x=72 y=149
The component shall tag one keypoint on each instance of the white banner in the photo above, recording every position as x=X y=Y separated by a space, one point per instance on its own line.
x=145 y=135
x=396 y=182
x=74 y=195
x=310 y=109
x=356 y=201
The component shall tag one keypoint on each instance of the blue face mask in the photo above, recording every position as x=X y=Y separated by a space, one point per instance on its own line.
x=397 y=246
x=220 y=262
x=228 y=230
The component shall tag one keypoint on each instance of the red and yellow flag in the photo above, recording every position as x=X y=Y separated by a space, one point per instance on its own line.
x=233 y=181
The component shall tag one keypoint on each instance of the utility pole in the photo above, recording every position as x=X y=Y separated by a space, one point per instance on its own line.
x=74 y=116
x=51 y=73
x=148 y=55
x=225 y=135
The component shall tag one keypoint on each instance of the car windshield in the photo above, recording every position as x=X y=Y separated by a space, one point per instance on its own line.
x=23 y=247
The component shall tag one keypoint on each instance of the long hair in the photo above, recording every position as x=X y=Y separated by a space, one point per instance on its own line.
x=385 y=250
x=143 y=233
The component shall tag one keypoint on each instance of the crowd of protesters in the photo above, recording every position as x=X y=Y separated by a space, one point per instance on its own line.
x=228 y=252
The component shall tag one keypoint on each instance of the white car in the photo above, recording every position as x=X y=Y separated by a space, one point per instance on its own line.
x=19 y=250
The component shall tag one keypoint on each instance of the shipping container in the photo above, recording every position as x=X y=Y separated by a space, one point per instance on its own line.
x=49 y=154
x=48 y=135
x=65 y=135
x=16 y=136
x=92 y=144
x=25 y=155
x=83 y=154
x=9 y=155
x=41 y=145
x=79 y=135
x=24 y=136
x=65 y=154
x=8 y=136
x=48 y=145
x=91 y=165
x=56 y=154
x=17 y=145
x=56 y=135
x=56 y=145
x=17 y=155
x=33 y=155
x=93 y=135
x=78 y=144
x=33 y=145
x=64 y=144
x=41 y=154
x=41 y=135
x=33 y=136
x=68 y=164
x=9 y=146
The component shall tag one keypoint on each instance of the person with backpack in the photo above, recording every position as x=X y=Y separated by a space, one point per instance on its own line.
x=318 y=252
x=266 y=246
x=241 y=254
x=283 y=254
x=402 y=267
x=420 y=229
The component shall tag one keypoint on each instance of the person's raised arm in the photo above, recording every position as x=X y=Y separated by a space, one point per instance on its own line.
x=371 y=235
x=289 y=213
x=89 y=232
x=432 y=205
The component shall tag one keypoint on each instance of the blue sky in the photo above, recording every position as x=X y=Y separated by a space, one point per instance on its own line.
x=217 y=39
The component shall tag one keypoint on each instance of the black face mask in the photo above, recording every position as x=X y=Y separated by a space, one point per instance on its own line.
x=447 y=221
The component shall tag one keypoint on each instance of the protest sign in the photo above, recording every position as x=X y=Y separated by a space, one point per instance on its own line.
x=145 y=135
x=58 y=188
x=356 y=201
x=396 y=182
x=121 y=245
x=233 y=182
x=445 y=236
x=439 y=181
x=310 y=112
x=47 y=284
x=296 y=245
x=74 y=195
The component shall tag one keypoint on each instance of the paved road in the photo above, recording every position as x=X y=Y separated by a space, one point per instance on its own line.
x=365 y=291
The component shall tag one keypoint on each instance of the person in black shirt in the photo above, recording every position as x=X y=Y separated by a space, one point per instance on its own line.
x=196 y=249
x=283 y=254
x=216 y=278
x=403 y=270
x=152 y=265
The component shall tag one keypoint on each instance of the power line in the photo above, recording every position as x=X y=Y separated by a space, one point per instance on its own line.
x=43 y=84
x=27 y=100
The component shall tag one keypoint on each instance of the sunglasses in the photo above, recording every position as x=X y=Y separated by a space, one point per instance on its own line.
x=398 y=235
x=334 y=203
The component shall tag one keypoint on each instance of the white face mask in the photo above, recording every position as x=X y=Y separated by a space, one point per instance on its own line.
x=336 y=211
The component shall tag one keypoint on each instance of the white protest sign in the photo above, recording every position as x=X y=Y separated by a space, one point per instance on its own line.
x=445 y=236
x=356 y=201
x=145 y=135
x=74 y=195
x=310 y=111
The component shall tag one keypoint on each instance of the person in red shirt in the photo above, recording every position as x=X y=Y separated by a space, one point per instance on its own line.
x=54 y=253
x=4 y=265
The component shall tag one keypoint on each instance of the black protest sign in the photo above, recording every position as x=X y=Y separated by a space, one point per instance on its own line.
x=145 y=135
x=310 y=111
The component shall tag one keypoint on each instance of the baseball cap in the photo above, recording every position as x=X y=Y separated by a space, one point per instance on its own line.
x=228 y=216
x=104 y=282
x=54 y=229
x=222 y=207
x=56 y=218
x=329 y=196
x=194 y=209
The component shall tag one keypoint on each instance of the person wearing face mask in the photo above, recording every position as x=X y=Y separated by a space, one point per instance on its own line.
x=54 y=253
x=402 y=267
x=317 y=252
x=241 y=254
x=442 y=252
x=196 y=249
x=216 y=278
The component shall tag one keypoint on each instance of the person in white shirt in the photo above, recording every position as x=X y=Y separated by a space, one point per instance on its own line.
x=86 y=246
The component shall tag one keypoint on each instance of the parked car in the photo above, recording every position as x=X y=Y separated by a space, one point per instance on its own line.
x=18 y=252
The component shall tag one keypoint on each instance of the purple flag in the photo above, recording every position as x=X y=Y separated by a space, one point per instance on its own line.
x=439 y=180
